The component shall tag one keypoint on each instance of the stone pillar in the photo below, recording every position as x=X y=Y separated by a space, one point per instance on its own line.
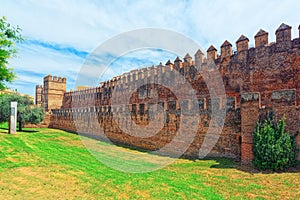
x=250 y=105
x=13 y=118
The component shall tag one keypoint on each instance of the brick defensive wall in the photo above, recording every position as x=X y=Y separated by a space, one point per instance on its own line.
x=256 y=79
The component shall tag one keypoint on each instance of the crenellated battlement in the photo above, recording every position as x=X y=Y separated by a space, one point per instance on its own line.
x=242 y=54
x=245 y=62
x=227 y=57
x=55 y=79
x=283 y=43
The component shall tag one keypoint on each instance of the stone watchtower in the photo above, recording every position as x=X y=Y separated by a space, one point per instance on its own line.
x=53 y=92
x=38 y=95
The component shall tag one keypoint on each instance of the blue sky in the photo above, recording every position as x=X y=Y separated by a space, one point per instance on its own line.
x=60 y=34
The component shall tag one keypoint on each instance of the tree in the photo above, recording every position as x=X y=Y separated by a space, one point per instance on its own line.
x=8 y=36
x=27 y=112
x=273 y=147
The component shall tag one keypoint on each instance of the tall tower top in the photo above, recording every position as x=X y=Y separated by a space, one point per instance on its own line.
x=177 y=59
x=226 y=43
x=284 y=36
x=199 y=52
x=261 y=38
x=283 y=27
x=169 y=62
x=211 y=48
x=187 y=56
x=261 y=32
x=242 y=38
x=188 y=59
x=212 y=52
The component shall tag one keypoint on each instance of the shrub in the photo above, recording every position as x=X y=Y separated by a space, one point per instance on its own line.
x=273 y=147
x=27 y=112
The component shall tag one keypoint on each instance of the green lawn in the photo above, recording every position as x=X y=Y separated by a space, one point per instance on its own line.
x=53 y=164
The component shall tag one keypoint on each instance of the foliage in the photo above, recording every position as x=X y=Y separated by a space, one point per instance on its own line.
x=27 y=112
x=273 y=147
x=8 y=36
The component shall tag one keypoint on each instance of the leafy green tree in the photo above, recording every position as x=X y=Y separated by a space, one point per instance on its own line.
x=27 y=112
x=8 y=36
x=273 y=147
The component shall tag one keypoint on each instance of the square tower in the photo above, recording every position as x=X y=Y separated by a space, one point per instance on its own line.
x=53 y=93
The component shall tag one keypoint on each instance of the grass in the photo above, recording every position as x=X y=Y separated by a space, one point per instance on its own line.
x=54 y=164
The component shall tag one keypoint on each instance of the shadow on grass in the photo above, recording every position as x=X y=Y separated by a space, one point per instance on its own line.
x=227 y=163
x=5 y=130
x=252 y=170
x=30 y=131
x=222 y=163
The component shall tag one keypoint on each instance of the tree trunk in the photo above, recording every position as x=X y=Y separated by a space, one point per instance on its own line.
x=20 y=126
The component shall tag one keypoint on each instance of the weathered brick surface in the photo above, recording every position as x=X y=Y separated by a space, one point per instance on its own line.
x=255 y=79
x=100 y=125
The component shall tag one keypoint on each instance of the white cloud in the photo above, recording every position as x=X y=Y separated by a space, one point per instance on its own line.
x=34 y=62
